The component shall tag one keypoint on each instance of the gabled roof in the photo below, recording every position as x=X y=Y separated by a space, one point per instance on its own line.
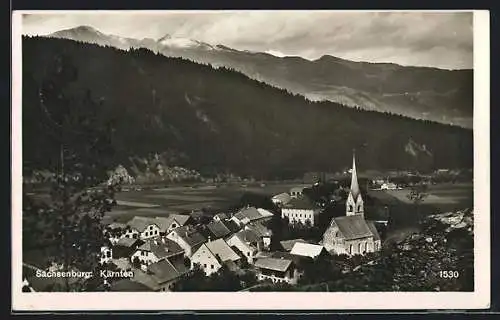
x=218 y=229
x=231 y=225
x=222 y=250
x=165 y=222
x=162 y=248
x=222 y=216
x=373 y=229
x=163 y=271
x=301 y=203
x=250 y=213
x=181 y=218
x=190 y=235
x=127 y=242
x=141 y=223
x=282 y=197
x=265 y=213
x=248 y=236
x=288 y=244
x=273 y=264
x=306 y=249
x=259 y=229
x=353 y=227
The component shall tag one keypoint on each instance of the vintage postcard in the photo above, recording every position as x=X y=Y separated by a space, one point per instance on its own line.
x=270 y=160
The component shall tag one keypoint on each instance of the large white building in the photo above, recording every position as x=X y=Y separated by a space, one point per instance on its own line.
x=301 y=210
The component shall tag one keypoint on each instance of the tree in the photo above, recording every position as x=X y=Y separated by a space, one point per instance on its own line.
x=69 y=223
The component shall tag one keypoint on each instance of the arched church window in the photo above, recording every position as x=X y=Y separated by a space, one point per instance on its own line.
x=350 y=249
x=350 y=208
x=366 y=246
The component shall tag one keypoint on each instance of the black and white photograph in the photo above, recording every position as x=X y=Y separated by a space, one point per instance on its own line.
x=317 y=153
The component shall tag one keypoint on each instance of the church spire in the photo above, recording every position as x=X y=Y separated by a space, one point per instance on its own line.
x=354 y=178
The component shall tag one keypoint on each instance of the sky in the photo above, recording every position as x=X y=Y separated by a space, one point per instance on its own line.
x=432 y=39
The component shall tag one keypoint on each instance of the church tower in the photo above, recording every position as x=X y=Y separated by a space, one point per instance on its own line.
x=354 y=203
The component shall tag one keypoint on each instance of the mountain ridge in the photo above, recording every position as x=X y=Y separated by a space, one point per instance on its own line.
x=221 y=120
x=425 y=93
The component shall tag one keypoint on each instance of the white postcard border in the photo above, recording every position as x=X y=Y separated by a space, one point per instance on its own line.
x=479 y=299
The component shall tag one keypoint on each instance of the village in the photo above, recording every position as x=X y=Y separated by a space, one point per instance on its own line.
x=157 y=253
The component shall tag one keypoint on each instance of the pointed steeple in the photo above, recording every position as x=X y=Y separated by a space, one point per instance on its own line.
x=354 y=178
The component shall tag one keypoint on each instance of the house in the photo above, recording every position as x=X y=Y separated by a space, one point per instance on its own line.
x=218 y=230
x=287 y=245
x=296 y=192
x=301 y=210
x=154 y=250
x=167 y=224
x=277 y=270
x=352 y=234
x=161 y=276
x=262 y=231
x=221 y=216
x=106 y=255
x=125 y=247
x=247 y=242
x=188 y=238
x=145 y=226
x=212 y=255
x=281 y=199
x=309 y=250
x=117 y=230
x=388 y=186
x=251 y=214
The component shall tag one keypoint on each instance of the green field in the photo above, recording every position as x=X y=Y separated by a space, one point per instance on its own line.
x=163 y=201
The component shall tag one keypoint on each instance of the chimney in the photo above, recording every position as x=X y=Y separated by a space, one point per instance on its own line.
x=209 y=239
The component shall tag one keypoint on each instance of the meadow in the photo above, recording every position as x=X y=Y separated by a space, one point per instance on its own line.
x=178 y=199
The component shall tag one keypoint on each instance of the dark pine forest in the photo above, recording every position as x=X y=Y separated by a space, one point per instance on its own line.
x=218 y=120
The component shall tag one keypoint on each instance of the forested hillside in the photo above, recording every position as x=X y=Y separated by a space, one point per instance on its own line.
x=217 y=120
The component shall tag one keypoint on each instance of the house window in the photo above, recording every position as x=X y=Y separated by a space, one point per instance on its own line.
x=204 y=265
x=146 y=234
x=248 y=253
x=134 y=236
x=211 y=266
x=150 y=227
x=126 y=236
x=108 y=254
x=174 y=225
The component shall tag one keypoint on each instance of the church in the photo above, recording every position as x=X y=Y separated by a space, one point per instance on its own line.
x=352 y=234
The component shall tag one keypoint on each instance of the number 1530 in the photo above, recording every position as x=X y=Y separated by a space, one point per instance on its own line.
x=449 y=274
